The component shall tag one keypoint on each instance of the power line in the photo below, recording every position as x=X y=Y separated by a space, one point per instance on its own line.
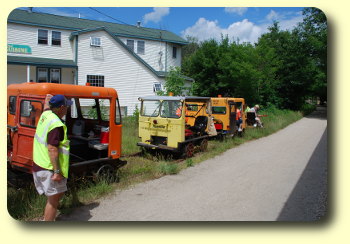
x=108 y=16
x=143 y=29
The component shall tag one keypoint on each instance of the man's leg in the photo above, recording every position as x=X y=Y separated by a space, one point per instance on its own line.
x=258 y=121
x=51 y=206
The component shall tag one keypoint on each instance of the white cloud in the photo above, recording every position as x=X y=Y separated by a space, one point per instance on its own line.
x=239 y=11
x=286 y=20
x=272 y=15
x=245 y=30
x=156 y=15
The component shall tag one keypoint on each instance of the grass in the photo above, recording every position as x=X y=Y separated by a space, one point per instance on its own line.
x=130 y=136
x=26 y=204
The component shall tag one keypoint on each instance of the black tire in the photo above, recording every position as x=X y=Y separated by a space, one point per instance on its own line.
x=203 y=145
x=188 y=150
x=106 y=173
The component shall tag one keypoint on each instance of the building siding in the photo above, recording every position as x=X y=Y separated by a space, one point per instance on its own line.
x=28 y=35
x=120 y=69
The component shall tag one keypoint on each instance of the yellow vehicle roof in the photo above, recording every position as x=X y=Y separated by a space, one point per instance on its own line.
x=175 y=98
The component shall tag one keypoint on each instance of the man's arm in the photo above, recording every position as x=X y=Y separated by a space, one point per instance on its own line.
x=53 y=154
x=46 y=103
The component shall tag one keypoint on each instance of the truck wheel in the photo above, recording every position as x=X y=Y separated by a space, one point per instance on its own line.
x=188 y=150
x=203 y=145
x=106 y=173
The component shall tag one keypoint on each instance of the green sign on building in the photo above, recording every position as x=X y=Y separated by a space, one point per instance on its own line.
x=14 y=48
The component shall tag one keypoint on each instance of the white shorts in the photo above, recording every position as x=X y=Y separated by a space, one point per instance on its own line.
x=44 y=184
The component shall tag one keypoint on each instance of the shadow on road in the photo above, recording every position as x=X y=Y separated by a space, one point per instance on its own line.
x=319 y=113
x=309 y=198
x=79 y=214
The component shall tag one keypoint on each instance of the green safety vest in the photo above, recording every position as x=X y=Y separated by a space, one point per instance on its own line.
x=47 y=122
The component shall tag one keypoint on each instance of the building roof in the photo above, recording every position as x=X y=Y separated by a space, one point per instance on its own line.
x=47 y=62
x=78 y=24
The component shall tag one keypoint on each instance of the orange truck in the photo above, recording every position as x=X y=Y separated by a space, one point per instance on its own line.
x=93 y=123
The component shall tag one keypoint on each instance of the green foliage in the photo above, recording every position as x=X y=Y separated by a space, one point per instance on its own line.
x=189 y=162
x=284 y=68
x=174 y=82
x=168 y=168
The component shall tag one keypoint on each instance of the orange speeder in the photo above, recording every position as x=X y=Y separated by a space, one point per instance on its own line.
x=93 y=126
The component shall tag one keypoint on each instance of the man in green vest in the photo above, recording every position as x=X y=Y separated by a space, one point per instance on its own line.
x=51 y=155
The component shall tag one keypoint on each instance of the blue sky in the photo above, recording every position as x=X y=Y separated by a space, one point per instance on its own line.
x=247 y=24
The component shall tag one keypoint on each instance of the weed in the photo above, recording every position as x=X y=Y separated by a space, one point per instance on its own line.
x=189 y=162
x=168 y=168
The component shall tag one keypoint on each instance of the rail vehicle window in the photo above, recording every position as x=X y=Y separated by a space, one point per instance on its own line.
x=12 y=104
x=192 y=107
x=88 y=108
x=118 y=115
x=104 y=108
x=219 y=110
x=73 y=110
x=30 y=112
x=171 y=109
x=150 y=108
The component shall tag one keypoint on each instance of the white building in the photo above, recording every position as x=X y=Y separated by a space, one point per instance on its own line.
x=49 y=48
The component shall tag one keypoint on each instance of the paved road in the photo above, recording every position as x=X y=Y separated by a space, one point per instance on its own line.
x=279 y=177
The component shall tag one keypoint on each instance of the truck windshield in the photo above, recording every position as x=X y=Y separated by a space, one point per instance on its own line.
x=171 y=109
x=150 y=108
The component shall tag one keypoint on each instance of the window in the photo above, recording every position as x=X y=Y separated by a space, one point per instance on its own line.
x=96 y=80
x=174 y=52
x=42 y=75
x=55 y=75
x=150 y=108
x=157 y=87
x=192 y=107
x=130 y=44
x=219 y=110
x=56 y=38
x=12 y=103
x=30 y=112
x=95 y=41
x=43 y=36
x=52 y=75
x=88 y=108
x=171 y=109
x=140 y=47
x=118 y=113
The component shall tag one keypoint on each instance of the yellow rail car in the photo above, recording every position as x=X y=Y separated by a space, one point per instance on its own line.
x=165 y=123
x=226 y=119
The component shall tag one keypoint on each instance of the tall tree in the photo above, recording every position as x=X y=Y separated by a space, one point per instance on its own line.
x=313 y=31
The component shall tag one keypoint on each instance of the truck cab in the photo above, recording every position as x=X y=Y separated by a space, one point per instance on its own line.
x=93 y=125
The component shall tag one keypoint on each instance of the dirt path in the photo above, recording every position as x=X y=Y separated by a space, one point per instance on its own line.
x=279 y=177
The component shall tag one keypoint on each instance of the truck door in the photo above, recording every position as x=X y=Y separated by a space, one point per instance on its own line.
x=232 y=111
x=27 y=117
